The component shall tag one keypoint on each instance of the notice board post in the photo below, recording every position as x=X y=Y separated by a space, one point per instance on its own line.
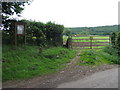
x=20 y=31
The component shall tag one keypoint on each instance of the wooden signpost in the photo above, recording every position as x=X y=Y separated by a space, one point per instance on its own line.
x=20 y=31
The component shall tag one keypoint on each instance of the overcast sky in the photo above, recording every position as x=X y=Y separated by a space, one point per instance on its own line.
x=74 y=13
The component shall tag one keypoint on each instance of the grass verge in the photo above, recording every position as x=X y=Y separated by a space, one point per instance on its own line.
x=26 y=62
x=96 y=57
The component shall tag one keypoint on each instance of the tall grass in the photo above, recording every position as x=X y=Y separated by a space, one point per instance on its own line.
x=26 y=62
x=98 y=57
x=93 y=57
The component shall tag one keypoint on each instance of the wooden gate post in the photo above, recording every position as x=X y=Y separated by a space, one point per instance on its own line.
x=109 y=39
x=91 y=38
x=15 y=34
x=91 y=44
x=69 y=42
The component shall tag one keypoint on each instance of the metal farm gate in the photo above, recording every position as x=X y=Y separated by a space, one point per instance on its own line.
x=90 y=42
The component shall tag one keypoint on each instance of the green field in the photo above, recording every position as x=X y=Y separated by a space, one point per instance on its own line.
x=86 y=39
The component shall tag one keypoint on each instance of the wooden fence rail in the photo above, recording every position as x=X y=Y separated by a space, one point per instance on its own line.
x=91 y=42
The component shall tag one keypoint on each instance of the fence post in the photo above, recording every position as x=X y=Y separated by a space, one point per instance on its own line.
x=91 y=38
x=109 y=39
x=69 y=42
x=91 y=44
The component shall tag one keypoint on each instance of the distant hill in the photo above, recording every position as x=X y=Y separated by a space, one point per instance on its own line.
x=101 y=30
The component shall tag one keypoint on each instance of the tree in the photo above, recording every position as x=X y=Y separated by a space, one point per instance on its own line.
x=84 y=32
x=54 y=33
x=8 y=10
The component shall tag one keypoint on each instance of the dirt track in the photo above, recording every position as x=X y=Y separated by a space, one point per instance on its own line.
x=103 y=79
x=71 y=73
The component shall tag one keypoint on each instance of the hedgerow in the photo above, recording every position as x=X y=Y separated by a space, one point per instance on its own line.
x=37 y=33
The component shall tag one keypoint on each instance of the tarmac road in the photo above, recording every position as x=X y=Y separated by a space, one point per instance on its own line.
x=103 y=79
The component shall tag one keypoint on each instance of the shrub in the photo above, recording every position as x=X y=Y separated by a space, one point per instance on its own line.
x=53 y=33
x=111 y=54
x=115 y=42
x=113 y=39
x=44 y=34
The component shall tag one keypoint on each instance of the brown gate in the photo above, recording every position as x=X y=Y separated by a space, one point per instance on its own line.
x=90 y=42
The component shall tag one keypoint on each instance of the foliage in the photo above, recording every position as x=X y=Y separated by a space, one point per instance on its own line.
x=100 y=30
x=113 y=39
x=9 y=9
x=118 y=42
x=35 y=32
x=38 y=33
x=84 y=32
x=26 y=62
x=112 y=54
x=96 y=57
x=115 y=42
x=53 y=33
x=8 y=35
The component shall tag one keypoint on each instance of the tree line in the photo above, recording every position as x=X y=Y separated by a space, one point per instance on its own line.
x=100 y=30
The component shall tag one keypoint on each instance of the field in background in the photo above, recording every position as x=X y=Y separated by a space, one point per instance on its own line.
x=85 y=42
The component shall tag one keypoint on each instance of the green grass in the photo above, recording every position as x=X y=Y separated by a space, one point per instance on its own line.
x=113 y=52
x=26 y=62
x=96 y=57
x=100 y=47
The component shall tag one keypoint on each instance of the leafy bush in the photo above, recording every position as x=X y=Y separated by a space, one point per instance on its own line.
x=109 y=49
x=112 y=54
x=37 y=33
x=8 y=34
x=115 y=42
x=53 y=33
x=118 y=43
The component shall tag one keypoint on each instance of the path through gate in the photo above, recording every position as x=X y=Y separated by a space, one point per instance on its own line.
x=90 y=42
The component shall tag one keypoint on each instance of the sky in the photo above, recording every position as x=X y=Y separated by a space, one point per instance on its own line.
x=73 y=13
